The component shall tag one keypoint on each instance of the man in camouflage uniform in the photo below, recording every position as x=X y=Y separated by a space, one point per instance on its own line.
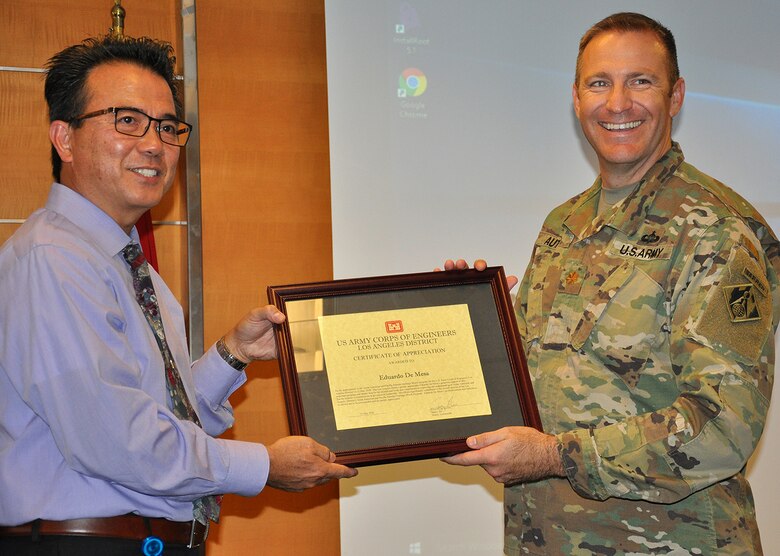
x=647 y=314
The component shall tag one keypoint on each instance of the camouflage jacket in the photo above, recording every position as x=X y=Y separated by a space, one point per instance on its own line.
x=649 y=337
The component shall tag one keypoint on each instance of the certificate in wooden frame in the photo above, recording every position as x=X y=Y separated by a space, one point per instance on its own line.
x=319 y=404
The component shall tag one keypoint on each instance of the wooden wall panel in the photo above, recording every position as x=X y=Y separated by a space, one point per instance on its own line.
x=6 y=231
x=33 y=30
x=266 y=220
x=171 y=243
x=24 y=144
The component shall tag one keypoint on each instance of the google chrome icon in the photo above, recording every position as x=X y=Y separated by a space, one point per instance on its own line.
x=412 y=83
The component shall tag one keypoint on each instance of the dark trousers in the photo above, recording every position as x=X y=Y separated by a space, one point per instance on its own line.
x=84 y=546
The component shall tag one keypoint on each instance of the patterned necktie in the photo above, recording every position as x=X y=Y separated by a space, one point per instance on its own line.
x=207 y=507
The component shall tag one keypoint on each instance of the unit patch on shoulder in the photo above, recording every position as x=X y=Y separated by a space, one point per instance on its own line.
x=741 y=303
x=736 y=316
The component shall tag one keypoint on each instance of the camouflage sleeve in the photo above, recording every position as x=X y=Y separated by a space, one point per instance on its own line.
x=719 y=329
x=521 y=302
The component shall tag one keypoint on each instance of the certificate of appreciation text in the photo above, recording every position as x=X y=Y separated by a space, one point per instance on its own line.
x=403 y=366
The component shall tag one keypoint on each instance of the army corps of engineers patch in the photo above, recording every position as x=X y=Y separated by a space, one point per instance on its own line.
x=741 y=303
x=741 y=298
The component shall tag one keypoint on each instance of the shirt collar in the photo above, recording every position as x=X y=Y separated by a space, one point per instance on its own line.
x=629 y=215
x=103 y=230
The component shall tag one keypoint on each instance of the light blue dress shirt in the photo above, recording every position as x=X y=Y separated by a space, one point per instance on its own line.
x=85 y=429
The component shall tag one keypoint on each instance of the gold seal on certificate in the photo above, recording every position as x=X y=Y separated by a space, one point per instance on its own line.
x=395 y=368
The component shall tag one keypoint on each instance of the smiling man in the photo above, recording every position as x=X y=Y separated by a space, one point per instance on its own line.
x=107 y=430
x=108 y=156
x=626 y=91
x=647 y=314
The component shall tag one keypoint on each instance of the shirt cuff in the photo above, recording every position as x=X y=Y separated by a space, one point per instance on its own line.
x=248 y=469
x=581 y=463
x=218 y=379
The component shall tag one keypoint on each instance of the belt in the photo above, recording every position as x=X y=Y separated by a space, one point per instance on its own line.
x=131 y=526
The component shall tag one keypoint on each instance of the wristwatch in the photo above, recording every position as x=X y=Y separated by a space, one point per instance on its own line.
x=228 y=357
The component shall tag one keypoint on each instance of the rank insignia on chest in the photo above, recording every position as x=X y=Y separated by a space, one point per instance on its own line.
x=741 y=303
x=572 y=275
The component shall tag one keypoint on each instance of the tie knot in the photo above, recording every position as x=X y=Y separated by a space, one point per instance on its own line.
x=133 y=255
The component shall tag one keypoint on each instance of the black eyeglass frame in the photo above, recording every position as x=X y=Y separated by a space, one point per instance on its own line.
x=115 y=111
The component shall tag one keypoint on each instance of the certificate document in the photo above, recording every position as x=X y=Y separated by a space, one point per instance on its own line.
x=403 y=366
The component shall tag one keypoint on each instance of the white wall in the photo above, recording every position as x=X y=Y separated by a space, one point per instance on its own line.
x=471 y=167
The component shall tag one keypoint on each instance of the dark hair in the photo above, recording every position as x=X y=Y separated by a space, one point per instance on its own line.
x=67 y=72
x=625 y=22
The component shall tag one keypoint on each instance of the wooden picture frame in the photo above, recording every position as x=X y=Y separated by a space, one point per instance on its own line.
x=475 y=377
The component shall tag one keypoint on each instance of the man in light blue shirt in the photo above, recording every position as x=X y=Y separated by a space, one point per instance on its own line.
x=92 y=458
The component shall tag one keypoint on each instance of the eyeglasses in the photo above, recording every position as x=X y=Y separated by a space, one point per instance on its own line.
x=129 y=121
